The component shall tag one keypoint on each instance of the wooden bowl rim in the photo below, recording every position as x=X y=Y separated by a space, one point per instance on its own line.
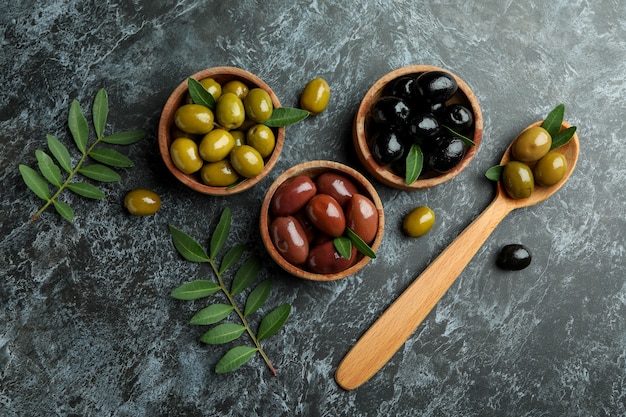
x=167 y=119
x=313 y=169
x=383 y=174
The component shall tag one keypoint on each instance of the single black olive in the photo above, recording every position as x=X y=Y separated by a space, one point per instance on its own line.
x=514 y=257
x=436 y=86
x=388 y=146
x=390 y=111
x=401 y=87
x=458 y=117
x=423 y=125
x=445 y=154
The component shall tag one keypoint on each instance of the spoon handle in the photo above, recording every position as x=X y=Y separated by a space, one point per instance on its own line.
x=380 y=342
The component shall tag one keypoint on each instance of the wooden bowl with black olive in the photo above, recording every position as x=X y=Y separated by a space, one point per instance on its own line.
x=417 y=126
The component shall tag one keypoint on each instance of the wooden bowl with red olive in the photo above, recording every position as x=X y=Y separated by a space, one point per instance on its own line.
x=322 y=221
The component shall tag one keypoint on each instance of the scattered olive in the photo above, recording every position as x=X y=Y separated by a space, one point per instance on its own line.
x=315 y=96
x=518 y=180
x=142 y=202
x=550 y=169
x=514 y=257
x=418 y=222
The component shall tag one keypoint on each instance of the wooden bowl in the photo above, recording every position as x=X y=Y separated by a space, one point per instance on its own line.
x=222 y=75
x=384 y=174
x=313 y=169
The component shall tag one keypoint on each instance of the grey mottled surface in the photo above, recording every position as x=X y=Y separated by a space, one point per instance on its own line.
x=87 y=327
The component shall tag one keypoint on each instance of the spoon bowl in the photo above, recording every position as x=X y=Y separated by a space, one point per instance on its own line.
x=383 y=339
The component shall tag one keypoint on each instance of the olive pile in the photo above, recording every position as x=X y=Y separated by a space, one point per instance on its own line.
x=229 y=143
x=415 y=110
x=532 y=162
x=308 y=214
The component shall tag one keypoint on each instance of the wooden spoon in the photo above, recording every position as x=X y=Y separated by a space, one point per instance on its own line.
x=381 y=341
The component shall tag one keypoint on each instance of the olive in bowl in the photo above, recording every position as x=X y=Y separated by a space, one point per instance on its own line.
x=220 y=151
x=310 y=206
x=420 y=114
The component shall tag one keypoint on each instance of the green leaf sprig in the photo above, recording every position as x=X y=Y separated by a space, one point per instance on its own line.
x=60 y=174
x=281 y=116
x=343 y=244
x=552 y=124
x=243 y=279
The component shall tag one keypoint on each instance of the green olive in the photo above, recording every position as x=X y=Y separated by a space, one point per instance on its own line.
x=550 y=169
x=185 y=156
x=229 y=111
x=236 y=87
x=418 y=222
x=261 y=138
x=212 y=86
x=141 y=202
x=531 y=144
x=194 y=119
x=258 y=105
x=517 y=179
x=216 y=145
x=247 y=161
x=315 y=96
x=219 y=174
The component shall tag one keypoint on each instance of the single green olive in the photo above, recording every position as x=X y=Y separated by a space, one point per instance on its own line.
x=315 y=96
x=229 y=111
x=247 y=161
x=142 y=202
x=261 y=138
x=239 y=136
x=418 y=222
x=216 y=145
x=258 y=105
x=213 y=87
x=518 y=180
x=194 y=119
x=236 y=87
x=550 y=169
x=185 y=156
x=532 y=144
x=219 y=174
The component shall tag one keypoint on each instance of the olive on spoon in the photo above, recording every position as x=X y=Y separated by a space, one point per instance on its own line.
x=381 y=341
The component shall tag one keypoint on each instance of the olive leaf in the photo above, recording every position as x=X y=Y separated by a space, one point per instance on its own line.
x=284 y=116
x=463 y=138
x=494 y=173
x=59 y=172
x=244 y=277
x=414 y=164
x=563 y=137
x=553 y=121
x=199 y=94
x=359 y=244
x=343 y=246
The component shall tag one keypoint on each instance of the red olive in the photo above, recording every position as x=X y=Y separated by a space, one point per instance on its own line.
x=292 y=195
x=290 y=239
x=326 y=215
x=336 y=186
x=324 y=259
x=362 y=217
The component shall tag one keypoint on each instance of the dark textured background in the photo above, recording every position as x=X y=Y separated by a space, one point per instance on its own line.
x=87 y=327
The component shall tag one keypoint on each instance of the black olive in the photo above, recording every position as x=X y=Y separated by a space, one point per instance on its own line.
x=402 y=87
x=458 y=117
x=436 y=86
x=390 y=111
x=423 y=125
x=388 y=146
x=445 y=153
x=514 y=257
